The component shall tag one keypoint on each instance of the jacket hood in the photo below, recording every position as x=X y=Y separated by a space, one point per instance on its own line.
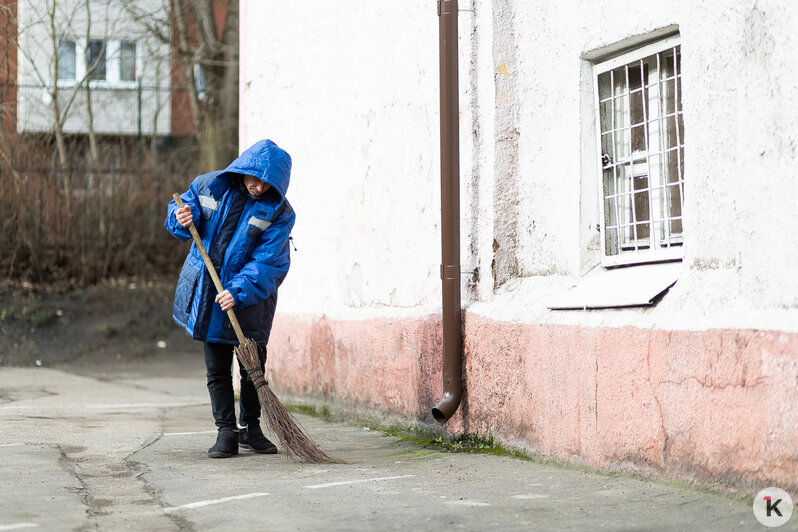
x=266 y=161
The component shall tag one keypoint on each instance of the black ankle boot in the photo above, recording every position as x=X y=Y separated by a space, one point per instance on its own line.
x=252 y=438
x=226 y=444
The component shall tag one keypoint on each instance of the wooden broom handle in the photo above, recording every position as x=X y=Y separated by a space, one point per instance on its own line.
x=208 y=264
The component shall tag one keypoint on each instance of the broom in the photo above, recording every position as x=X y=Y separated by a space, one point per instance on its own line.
x=292 y=438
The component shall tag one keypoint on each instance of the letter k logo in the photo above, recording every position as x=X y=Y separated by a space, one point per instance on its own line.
x=772 y=506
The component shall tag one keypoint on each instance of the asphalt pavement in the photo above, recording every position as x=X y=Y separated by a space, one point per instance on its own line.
x=115 y=447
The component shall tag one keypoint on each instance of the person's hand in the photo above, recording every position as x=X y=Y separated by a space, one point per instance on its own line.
x=225 y=300
x=184 y=216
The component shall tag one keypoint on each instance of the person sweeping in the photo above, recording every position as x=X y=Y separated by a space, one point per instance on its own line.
x=244 y=221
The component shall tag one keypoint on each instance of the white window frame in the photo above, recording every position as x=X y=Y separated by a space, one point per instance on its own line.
x=112 y=65
x=675 y=248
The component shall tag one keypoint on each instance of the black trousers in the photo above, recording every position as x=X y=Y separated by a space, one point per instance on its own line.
x=218 y=364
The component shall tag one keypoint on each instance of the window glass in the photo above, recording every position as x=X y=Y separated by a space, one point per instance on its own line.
x=66 y=59
x=95 y=59
x=199 y=80
x=127 y=60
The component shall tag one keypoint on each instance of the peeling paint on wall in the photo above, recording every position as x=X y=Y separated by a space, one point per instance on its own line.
x=506 y=135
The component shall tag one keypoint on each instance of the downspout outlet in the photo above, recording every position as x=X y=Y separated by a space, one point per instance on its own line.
x=447 y=406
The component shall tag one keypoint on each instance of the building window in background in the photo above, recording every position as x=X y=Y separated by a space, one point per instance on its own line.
x=127 y=60
x=66 y=59
x=641 y=138
x=95 y=59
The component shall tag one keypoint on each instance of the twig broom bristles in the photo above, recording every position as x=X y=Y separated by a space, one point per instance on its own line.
x=296 y=444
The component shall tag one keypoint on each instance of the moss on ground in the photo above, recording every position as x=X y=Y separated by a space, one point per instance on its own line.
x=474 y=444
x=309 y=410
x=461 y=443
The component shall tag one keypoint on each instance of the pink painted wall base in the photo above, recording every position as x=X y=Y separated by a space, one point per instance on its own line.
x=713 y=406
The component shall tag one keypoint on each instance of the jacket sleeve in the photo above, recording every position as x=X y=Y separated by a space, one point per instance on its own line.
x=267 y=267
x=190 y=197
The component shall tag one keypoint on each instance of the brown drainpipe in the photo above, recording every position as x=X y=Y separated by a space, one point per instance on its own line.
x=450 y=213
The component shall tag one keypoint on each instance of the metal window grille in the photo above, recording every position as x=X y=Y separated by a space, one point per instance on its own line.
x=641 y=141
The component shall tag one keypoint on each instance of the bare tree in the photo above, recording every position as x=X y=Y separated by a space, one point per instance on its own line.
x=80 y=205
x=58 y=117
x=58 y=17
x=90 y=70
x=204 y=38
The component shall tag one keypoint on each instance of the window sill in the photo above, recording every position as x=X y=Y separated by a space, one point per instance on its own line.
x=98 y=84
x=631 y=257
x=631 y=286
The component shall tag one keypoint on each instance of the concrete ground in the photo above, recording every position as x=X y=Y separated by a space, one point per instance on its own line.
x=110 y=446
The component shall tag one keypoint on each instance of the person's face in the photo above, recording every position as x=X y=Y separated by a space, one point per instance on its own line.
x=255 y=186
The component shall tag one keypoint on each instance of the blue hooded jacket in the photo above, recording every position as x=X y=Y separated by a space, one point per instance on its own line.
x=257 y=257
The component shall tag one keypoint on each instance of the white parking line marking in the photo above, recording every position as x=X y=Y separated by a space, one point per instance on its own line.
x=116 y=406
x=18 y=444
x=345 y=482
x=467 y=503
x=17 y=526
x=200 y=504
x=188 y=433
x=145 y=405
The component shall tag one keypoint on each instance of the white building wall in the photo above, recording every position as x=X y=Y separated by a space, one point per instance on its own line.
x=115 y=104
x=739 y=156
x=351 y=92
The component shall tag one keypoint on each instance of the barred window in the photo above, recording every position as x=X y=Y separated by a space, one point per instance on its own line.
x=641 y=136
